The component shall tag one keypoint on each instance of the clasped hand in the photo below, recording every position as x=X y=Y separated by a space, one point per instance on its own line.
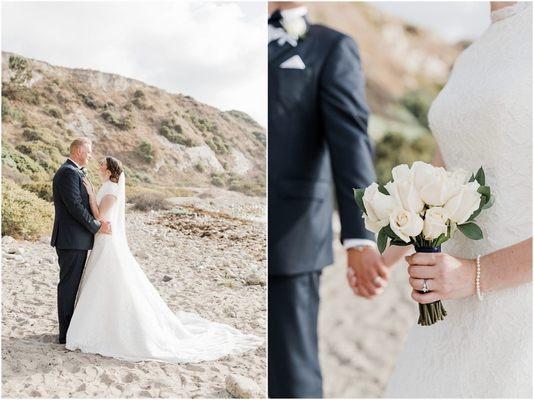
x=367 y=273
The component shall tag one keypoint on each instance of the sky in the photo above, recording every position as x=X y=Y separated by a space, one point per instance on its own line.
x=452 y=20
x=215 y=52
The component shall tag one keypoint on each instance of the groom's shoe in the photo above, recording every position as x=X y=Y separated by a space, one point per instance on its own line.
x=62 y=340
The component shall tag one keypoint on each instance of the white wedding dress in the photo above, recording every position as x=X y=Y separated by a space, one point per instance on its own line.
x=483 y=117
x=120 y=314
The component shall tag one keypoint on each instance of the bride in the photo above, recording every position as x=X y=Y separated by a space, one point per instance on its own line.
x=119 y=313
x=483 y=116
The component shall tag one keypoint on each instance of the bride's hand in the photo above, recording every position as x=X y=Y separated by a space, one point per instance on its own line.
x=89 y=187
x=447 y=277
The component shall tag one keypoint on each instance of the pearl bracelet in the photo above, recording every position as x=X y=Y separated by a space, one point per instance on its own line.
x=477 y=280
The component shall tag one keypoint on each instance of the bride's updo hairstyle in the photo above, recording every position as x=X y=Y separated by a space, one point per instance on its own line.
x=115 y=167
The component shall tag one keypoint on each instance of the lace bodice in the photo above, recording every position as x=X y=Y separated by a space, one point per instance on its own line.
x=483 y=117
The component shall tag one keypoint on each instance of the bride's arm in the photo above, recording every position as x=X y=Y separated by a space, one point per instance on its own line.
x=455 y=277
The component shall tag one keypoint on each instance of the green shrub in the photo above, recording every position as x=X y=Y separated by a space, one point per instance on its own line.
x=145 y=151
x=251 y=186
x=260 y=137
x=172 y=131
x=394 y=149
x=20 y=162
x=42 y=189
x=139 y=94
x=217 y=180
x=123 y=123
x=418 y=103
x=218 y=145
x=89 y=101
x=21 y=69
x=199 y=167
x=149 y=200
x=24 y=215
x=244 y=117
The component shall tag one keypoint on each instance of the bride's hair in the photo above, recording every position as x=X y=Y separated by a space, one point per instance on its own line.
x=115 y=167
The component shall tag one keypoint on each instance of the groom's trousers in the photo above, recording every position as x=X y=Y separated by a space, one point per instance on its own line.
x=294 y=370
x=71 y=265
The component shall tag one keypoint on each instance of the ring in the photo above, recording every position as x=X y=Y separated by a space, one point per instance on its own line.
x=425 y=287
x=376 y=280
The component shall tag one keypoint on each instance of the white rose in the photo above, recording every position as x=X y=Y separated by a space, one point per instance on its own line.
x=464 y=203
x=440 y=188
x=295 y=27
x=422 y=173
x=406 y=194
x=460 y=176
x=378 y=207
x=435 y=223
x=405 y=224
x=401 y=172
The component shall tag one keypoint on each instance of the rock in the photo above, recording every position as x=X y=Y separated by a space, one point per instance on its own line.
x=255 y=278
x=166 y=278
x=241 y=387
x=7 y=240
x=16 y=257
x=20 y=251
x=45 y=239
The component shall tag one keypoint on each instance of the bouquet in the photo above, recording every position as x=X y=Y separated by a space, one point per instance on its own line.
x=424 y=206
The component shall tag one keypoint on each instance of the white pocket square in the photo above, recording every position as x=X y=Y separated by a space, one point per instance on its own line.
x=294 y=62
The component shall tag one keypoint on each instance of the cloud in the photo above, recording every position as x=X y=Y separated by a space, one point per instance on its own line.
x=215 y=52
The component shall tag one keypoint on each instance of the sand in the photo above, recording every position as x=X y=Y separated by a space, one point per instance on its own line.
x=360 y=339
x=212 y=247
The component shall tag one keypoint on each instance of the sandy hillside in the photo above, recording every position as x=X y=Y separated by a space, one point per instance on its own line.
x=207 y=255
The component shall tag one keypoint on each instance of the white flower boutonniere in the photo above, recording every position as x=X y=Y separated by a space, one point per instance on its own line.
x=295 y=27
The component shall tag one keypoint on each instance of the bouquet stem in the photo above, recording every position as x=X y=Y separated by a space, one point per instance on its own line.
x=430 y=313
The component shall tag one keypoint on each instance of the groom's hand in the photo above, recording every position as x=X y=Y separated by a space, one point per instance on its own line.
x=105 y=227
x=367 y=273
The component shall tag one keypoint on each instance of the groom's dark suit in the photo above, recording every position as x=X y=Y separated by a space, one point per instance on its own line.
x=73 y=236
x=317 y=136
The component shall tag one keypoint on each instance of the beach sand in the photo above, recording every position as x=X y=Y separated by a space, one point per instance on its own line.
x=212 y=247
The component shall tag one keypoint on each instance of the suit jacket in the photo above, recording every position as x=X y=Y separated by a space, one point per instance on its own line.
x=74 y=224
x=317 y=136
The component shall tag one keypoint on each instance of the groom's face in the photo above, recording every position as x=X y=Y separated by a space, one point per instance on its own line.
x=85 y=154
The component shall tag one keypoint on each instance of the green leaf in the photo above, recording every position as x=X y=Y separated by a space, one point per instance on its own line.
x=475 y=214
x=382 y=189
x=484 y=191
x=489 y=203
x=480 y=177
x=382 y=240
x=471 y=230
x=399 y=243
x=358 y=196
x=472 y=179
x=440 y=240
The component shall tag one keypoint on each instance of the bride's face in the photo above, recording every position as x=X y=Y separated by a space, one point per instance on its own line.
x=103 y=170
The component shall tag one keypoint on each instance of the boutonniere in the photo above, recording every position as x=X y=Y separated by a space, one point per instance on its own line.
x=295 y=27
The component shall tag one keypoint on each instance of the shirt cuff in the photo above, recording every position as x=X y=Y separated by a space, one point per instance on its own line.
x=350 y=243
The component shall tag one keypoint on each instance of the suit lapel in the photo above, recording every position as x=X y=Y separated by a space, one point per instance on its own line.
x=276 y=51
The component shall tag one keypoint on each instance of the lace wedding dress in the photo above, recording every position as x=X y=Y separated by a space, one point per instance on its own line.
x=120 y=314
x=483 y=117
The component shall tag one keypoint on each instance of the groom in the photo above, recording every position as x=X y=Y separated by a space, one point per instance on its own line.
x=317 y=134
x=74 y=229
